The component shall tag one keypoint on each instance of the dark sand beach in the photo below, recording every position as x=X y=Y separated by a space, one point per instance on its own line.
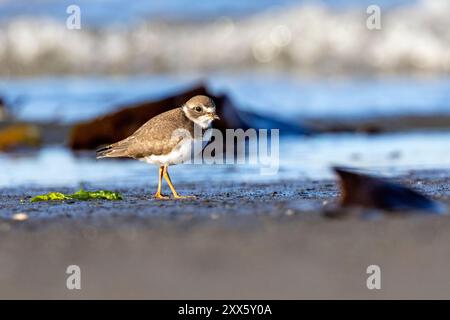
x=236 y=241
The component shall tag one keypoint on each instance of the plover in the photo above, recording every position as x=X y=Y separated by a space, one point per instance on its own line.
x=170 y=138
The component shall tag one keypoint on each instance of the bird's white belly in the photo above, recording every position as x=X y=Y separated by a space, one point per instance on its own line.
x=182 y=153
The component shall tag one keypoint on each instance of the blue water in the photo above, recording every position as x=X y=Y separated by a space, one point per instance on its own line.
x=69 y=100
x=279 y=95
x=123 y=11
x=299 y=158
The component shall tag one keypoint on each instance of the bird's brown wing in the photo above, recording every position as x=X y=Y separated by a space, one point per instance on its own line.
x=158 y=136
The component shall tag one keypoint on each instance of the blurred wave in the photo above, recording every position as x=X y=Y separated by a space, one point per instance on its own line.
x=306 y=38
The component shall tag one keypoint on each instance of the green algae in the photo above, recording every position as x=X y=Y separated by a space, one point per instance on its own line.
x=81 y=195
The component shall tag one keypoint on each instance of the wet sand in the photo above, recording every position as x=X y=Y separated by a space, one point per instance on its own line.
x=236 y=241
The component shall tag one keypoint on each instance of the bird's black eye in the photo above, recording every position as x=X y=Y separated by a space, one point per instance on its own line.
x=198 y=109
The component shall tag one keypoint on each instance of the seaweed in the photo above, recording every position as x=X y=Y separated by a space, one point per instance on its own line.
x=81 y=195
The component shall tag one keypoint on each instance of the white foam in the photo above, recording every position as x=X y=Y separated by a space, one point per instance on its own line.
x=309 y=37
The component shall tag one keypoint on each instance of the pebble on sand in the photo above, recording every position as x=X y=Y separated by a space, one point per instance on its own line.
x=21 y=216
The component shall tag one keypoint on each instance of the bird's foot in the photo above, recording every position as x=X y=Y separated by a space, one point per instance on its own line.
x=160 y=196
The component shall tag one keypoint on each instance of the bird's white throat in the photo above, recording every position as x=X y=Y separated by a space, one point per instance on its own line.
x=203 y=121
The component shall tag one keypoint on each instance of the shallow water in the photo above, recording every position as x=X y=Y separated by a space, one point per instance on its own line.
x=294 y=99
x=71 y=99
x=300 y=158
x=98 y=13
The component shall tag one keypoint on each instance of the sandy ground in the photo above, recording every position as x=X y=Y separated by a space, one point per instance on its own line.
x=237 y=241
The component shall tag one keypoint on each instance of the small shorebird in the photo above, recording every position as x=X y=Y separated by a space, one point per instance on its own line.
x=168 y=139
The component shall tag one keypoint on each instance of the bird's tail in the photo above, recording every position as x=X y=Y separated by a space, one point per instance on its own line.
x=103 y=151
x=111 y=151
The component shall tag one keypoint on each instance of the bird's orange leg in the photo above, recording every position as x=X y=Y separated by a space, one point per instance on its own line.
x=158 y=194
x=169 y=182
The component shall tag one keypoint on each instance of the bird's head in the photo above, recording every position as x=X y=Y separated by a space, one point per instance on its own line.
x=201 y=110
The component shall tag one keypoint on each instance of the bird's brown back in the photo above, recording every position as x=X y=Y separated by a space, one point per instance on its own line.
x=155 y=137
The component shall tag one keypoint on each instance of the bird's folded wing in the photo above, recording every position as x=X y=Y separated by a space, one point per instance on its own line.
x=139 y=148
x=159 y=139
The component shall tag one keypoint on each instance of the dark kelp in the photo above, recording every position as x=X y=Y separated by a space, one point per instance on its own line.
x=81 y=195
x=364 y=191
